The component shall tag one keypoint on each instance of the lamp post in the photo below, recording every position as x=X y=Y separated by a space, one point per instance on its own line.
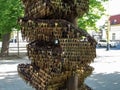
x=108 y=28
x=107 y=35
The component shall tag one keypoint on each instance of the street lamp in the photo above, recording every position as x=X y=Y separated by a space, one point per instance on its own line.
x=107 y=28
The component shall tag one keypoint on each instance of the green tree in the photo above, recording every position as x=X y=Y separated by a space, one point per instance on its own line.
x=10 y=10
x=96 y=11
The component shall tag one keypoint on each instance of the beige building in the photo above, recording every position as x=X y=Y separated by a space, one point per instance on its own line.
x=115 y=27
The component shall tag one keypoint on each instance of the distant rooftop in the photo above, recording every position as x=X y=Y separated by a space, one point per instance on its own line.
x=115 y=19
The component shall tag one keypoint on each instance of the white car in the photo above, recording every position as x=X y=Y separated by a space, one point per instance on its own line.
x=103 y=43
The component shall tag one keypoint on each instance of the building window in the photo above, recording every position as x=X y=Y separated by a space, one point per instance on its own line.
x=113 y=36
x=114 y=21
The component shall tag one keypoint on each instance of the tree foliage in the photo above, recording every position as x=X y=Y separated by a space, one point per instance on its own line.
x=10 y=10
x=96 y=11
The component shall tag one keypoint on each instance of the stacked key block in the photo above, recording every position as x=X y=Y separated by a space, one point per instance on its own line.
x=57 y=49
x=48 y=8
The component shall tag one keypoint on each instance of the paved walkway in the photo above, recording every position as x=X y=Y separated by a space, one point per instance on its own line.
x=106 y=75
x=9 y=79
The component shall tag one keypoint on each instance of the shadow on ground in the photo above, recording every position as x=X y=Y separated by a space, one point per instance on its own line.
x=104 y=81
x=9 y=78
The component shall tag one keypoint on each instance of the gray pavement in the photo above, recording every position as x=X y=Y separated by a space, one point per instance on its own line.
x=106 y=75
x=9 y=78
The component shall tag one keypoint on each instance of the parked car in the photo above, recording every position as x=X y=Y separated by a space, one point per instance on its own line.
x=103 y=43
x=13 y=40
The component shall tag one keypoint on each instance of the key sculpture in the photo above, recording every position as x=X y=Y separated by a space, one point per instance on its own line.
x=60 y=53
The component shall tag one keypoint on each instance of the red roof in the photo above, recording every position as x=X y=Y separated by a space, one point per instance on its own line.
x=115 y=19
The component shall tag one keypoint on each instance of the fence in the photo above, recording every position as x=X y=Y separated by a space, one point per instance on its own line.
x=17 y=48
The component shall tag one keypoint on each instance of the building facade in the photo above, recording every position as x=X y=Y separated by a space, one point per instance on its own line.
x=115 y=28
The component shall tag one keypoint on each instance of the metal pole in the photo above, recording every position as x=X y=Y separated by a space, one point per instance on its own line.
x=18 y=41
x=108 y=29
x=107 y=33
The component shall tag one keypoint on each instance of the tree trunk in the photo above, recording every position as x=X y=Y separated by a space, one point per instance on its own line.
x=5 y=44
x=74 y=21
x=72 y=83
